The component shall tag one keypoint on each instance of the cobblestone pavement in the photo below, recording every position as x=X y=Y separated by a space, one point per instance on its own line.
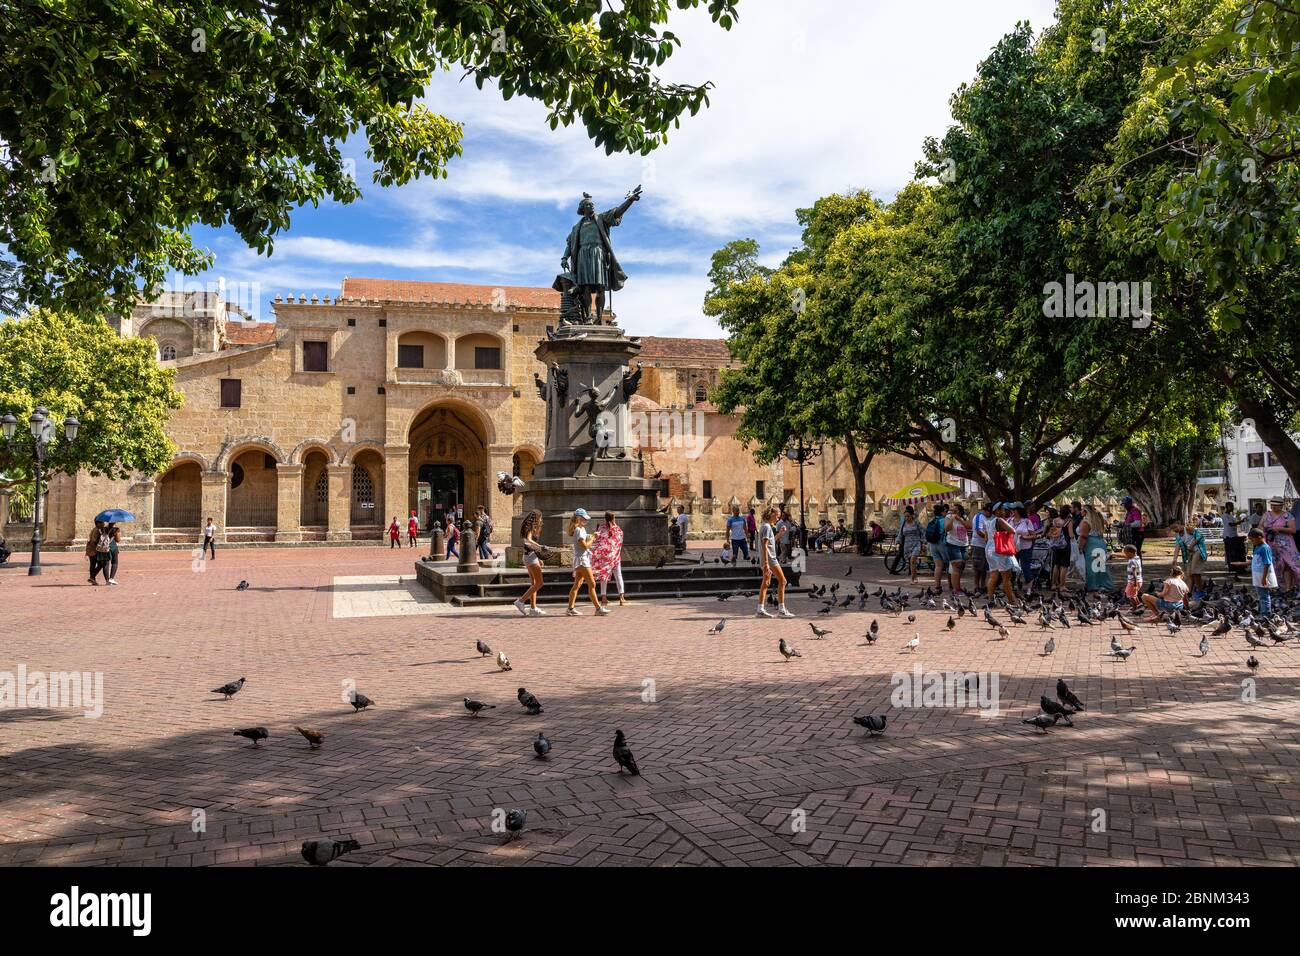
x=747 y=759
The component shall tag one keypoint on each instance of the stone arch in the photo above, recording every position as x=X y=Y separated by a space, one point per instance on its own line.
x=466 y=343
x=252 y=483
x=184 y=456
x=524 y=460
x=449 y=459
x=299 y=453
x=235 y=447
x=178 y=494
x=349 y=456
x=435 y=346
x=468 y=410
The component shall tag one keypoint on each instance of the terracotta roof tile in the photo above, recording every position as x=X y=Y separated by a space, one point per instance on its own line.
x=250 y=333
x=403 y=290
x=706 y=350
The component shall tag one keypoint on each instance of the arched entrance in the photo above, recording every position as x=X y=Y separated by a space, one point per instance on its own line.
x=367 y=493
x=448 y=463
x=315 y=491
x=251 y=499
x=179 y=498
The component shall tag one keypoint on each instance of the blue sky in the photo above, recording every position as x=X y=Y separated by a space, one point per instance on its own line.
x=812 y=97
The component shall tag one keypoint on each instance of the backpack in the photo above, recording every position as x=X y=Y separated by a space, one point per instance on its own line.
x=104 y=543
x=932 y=532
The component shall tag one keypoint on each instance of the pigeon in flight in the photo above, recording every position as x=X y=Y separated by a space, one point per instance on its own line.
x=324 y=852
x=875 y=723
x=314 y=737
x=483 y=649
x=1066 y=696
x=623 y=754
x=242 y=586
x=503 y=662
x=819 y=633
x=231 y=689
x=360 y=701
x=530 y=702
x=255 y=734
x=787 y=650
x=541 y=746
x=717 y=628
x=474 y=706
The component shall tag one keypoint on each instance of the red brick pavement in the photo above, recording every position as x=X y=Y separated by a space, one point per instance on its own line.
x=734 y=743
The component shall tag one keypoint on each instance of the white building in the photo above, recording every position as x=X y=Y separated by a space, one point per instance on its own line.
x=1253 y=472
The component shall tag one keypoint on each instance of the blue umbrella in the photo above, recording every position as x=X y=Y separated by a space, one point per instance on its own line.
x=115 y=516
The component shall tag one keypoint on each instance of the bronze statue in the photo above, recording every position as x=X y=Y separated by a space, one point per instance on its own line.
x=595 y=269
x=632 y=381
x=591 y=407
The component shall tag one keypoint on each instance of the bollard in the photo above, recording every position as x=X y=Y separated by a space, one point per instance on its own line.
x=468 y=548
x=438 y=544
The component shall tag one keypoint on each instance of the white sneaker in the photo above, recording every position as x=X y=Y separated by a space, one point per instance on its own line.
x=113 y=581
x=763 y=612
x=782 y=612
x=536 y=612
x=521 y=607
x=603 y=610
x=573 y=612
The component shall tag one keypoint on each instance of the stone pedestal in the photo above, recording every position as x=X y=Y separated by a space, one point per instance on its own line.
x=595 y=359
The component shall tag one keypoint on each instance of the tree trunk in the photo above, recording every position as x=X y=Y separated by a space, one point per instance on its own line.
x=1273 y=434
x=860 y=466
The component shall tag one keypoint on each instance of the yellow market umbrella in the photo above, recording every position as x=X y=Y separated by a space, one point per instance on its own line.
x=919 y=493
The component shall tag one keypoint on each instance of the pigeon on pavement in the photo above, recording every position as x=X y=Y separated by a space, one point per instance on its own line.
x=1066 y=696
x=787 y=650
x=242 y=586
x=474 y=706
x=717 y=628
x=255 y=734
x=483 y=649
x=819 y=633
x=530 y=702
x=503 y=662
x=875 y=723
x=314 y=737
x=515 y=822
x=623 y=754
x=360 y=701
x=231 y=689
x=323 y=852
x=1042 y=721
x=542 y=745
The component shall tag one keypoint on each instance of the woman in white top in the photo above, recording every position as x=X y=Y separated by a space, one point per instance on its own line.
x=582 y=563
x=769 y=544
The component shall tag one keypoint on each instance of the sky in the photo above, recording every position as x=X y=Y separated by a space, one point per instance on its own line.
x=811 y=97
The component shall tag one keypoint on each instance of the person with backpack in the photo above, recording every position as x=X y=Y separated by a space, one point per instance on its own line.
x=452 y=536
x=98 y=550
x=484 y=535
x=114 y=540
x=936 y=541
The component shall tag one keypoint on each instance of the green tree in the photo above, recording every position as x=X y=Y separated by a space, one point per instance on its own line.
x=77 y=365
x=125 y=124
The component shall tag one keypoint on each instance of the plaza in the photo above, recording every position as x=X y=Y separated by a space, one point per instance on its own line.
x=746 y=760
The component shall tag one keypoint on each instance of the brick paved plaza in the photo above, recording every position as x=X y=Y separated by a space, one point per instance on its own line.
x=733 y=744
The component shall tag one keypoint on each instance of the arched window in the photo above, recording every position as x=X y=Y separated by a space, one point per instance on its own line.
x=167 y=353
x=701 y=392
x=322 y=492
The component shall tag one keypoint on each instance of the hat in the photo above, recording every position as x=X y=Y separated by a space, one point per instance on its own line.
x=581 y=513
x=988 y=506
x=1128 y=500
x=1275 y=500
x=1014 y=505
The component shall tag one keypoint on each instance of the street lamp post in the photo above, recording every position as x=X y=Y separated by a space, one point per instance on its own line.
x=41 y=427
x=801 y=453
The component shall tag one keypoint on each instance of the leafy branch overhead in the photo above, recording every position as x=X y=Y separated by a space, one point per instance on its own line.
x=125 y=124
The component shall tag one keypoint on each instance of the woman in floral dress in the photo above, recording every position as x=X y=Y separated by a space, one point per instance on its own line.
x=607 y=558
x=1279 y=531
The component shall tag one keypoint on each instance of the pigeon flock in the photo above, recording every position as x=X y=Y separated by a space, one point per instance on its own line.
x=1219 y=613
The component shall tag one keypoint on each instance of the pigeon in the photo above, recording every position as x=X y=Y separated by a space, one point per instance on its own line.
x=360 y=701
x=541 y=746
x=825 y=610
x=314 y=737
x=474 y=706
x=503 y=662
x=1252 y=662
x=717 y=628
x=1126 y=623
x=1066 y=696
x=530 y=702
x=875 y=723
x=1205 y=646
x=848 y=599
x=1056 y=710
x=1003 y=633
x=483 y=649
x=1254 y=641
x=911 y=619
x=1224 y=627
x=242 y=586
x=848 y=572
x=515 y=822
x=324 y=852
x=952 y=622
x=725 y=595
x=819 y=633
x=255 y=734
x=231 y=689
x=1042 y=721
x=914 y=643
x=1172 y=626
x=875 y=628
x=1049 y=647
x=1123 y=653
x=660 y=563
x=787 y=650
x=869 y=638
x=623 y=754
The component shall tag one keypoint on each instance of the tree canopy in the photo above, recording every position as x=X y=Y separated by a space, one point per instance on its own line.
x=78 y=365
x=124 y=124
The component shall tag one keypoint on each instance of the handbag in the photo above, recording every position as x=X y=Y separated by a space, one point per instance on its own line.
x=1004 y=542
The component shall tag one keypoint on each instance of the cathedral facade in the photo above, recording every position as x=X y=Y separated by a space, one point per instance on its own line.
x=399 y=396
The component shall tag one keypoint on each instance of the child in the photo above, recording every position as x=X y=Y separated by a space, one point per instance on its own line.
x=1262 y=572
x=1134 y=586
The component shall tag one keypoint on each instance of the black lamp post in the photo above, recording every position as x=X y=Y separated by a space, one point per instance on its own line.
x=801 y=453
x=41 y=427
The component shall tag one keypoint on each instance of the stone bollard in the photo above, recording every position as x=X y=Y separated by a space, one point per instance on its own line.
x=468 y=547
x=438 y=544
